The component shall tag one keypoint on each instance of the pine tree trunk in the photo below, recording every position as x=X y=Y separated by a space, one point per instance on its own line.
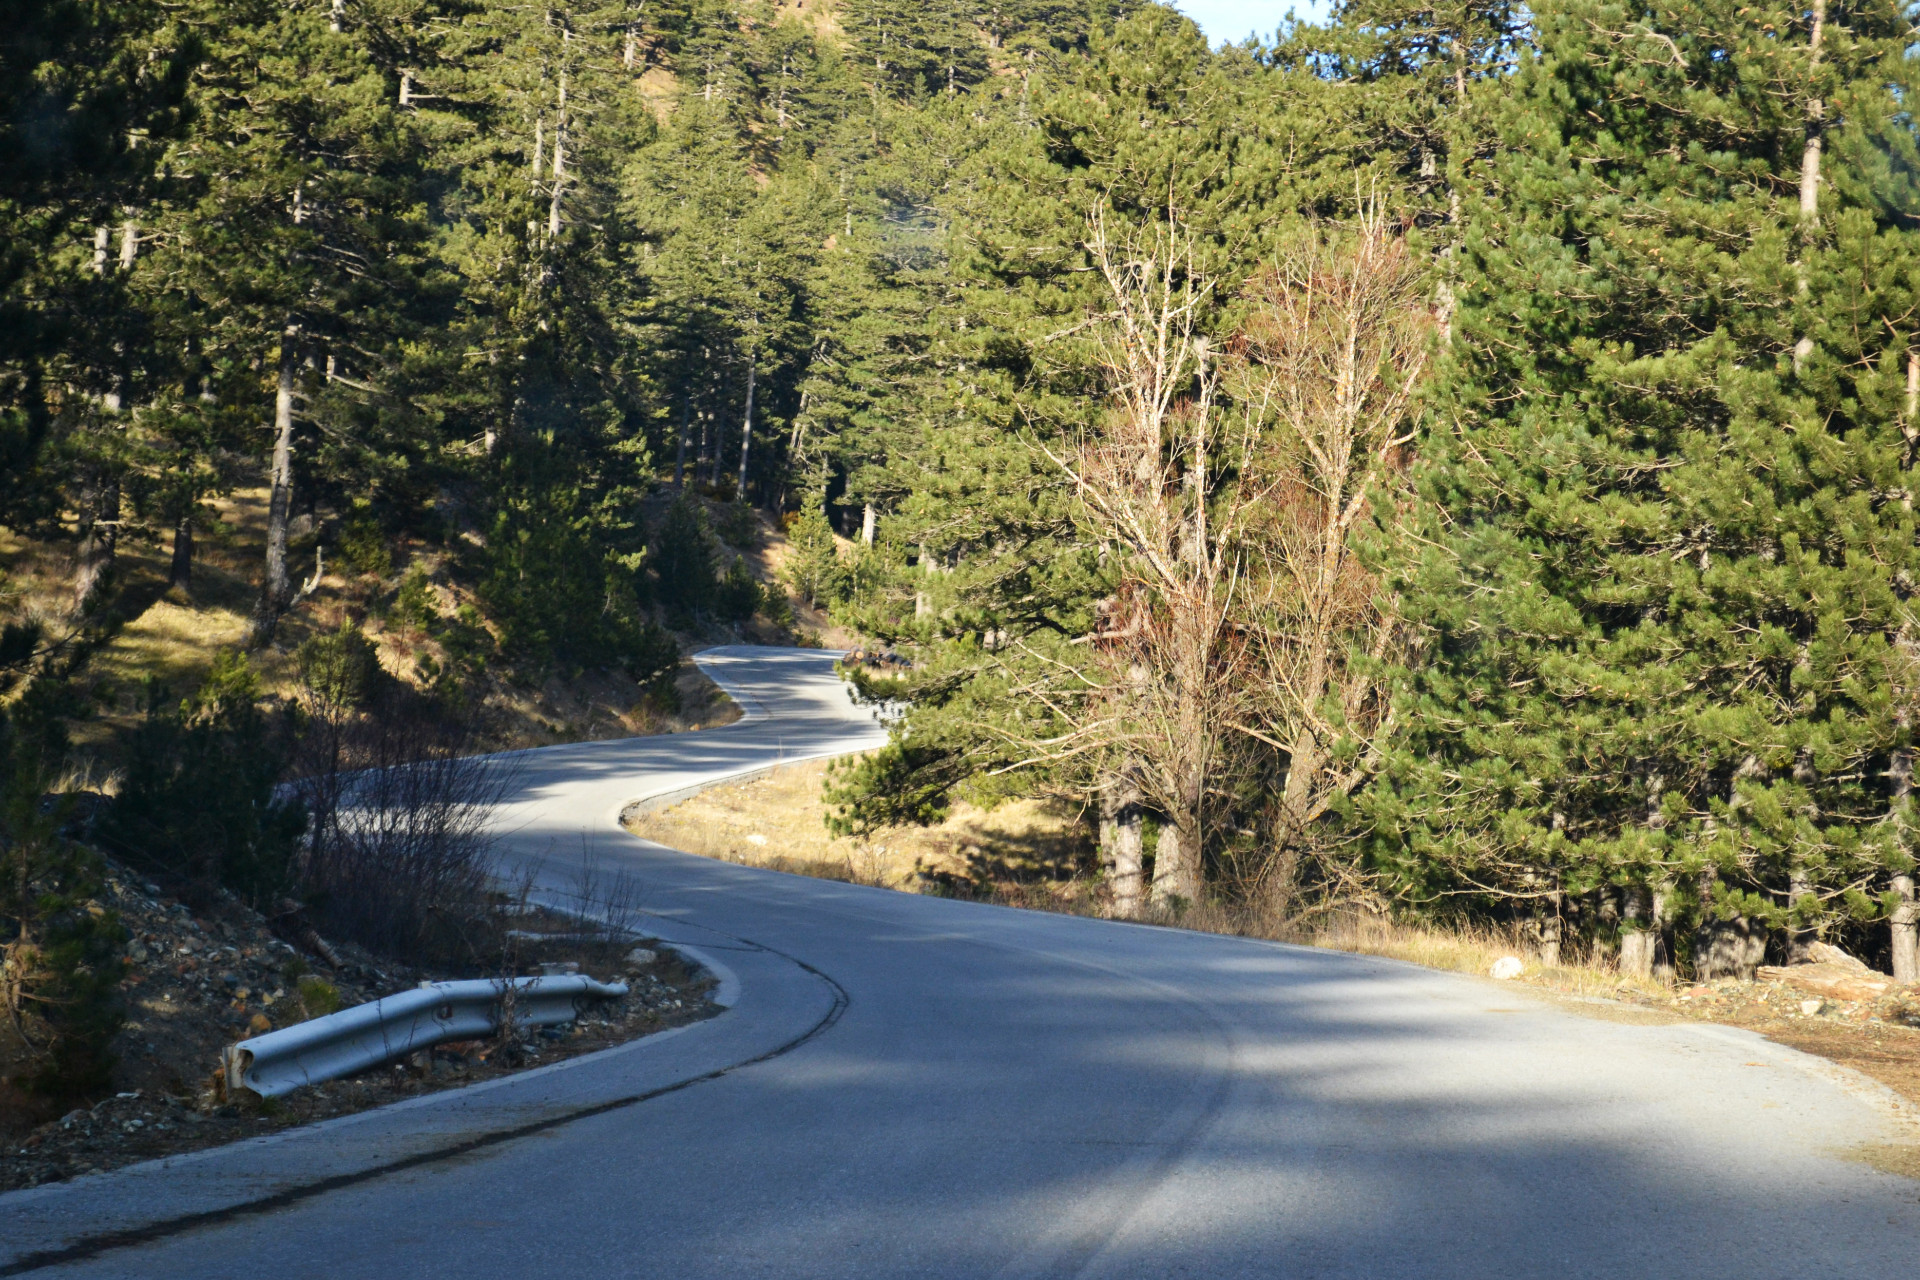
x=277 y=588
x=1636 y=939
x=539 y=159
x=180 y=571
x=99 y=539
x=1547 y=929
x=1606 y=910
x=1810 y=153
x=1800 y=938
x=1731 y=948
x=1661 y=917
x=680 y=448
x=868 y=520
x=1728 y=949
x=700 y=454
x=746 y=431
x=1816 y=123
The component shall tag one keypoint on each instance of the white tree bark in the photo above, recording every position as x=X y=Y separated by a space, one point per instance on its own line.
x=1636 y=939
x=277 y=588
x=559 y=157
x=1810 y=169
x=746 y=431
x=1176 y=868
x=1122 y=846
x=1904 y=924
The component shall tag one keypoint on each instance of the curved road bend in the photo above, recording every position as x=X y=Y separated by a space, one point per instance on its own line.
x=944 y=1089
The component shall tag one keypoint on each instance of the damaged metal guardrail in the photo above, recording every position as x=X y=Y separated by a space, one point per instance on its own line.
x=392 y=1027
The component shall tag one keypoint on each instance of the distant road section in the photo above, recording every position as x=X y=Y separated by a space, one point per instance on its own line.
x=911 y=1086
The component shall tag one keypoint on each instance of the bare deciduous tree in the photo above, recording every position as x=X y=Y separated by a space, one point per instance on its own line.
x=1333 y=351
x=1157 y=489
x=1230 y=490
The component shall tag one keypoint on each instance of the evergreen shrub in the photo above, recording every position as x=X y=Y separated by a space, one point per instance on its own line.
x=198 y=802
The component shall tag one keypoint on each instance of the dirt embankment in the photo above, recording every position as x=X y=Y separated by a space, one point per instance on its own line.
x=196 y=981
x=172 y=637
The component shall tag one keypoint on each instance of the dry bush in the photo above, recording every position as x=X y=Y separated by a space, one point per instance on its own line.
x=1330 y=358
x=398 y=855
x=1231 y=488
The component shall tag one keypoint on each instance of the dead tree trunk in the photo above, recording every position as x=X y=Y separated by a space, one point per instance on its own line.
x=1810 y=152
x=1904 y=925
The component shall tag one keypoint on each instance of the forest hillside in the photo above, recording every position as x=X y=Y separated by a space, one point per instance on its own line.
x=1452 y=463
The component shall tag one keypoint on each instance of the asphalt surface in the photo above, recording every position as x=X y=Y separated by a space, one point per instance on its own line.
x=909 y=1086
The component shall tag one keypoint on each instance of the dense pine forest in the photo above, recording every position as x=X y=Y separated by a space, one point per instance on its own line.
x=1456 y=461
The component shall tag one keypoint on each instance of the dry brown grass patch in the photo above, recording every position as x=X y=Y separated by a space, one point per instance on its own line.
x=779 y=821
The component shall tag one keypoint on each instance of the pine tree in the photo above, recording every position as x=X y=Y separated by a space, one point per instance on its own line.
x=1668 y=592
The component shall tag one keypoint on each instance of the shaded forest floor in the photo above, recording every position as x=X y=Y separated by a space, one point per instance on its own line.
x=1036 y=855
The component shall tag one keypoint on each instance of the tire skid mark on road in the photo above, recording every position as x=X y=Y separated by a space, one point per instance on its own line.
x=1084 y=1236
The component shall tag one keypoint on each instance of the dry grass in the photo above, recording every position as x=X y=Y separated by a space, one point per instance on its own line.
x=1035 y=853
x=1467 y=950
x=778 y=821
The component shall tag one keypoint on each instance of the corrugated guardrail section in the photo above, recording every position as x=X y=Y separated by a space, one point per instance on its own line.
x=389 y=1028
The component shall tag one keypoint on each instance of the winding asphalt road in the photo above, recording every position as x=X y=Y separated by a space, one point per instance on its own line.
x=909 y=1086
